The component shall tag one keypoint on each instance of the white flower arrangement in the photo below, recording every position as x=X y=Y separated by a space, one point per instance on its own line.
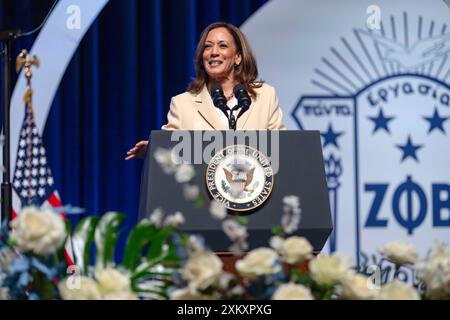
x=400 y=252
x=217 y=210
x=258 y=262
x=84 y=289
x=329 y=270
x=160 y=262
x=38 y=268
x=292 y=291
x=274 y=272
x=202 y=270
x=112 y=281
x=358 y=287
x=109 y=284
x=184 y=173
x=434 y=270
x=295 y=250
x=397 y=290
x=38 y=232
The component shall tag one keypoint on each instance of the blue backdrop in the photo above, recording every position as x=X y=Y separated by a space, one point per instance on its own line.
x=117 y=88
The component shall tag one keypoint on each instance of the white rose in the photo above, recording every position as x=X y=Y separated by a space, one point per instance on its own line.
x=121 y=295
x=276 y=242
x=186 y=294
x=290 y=222
x=234 y=230
x=202 y=270
x=434 y=271
x=81 y=288
x=157 y=216
x=291 y=201
x=329 y=270
x=291 y=291
x=166 y=160
x=295 y=249
x=217 y=210
x=41 y=232
x=184 y=173
x=399 y=252
x=112 y=281
x=358 y=287
x=195 y=244
x=239 y=247
x=397 y=290
x=175 y=220
x=190 y=192
x=260 y=261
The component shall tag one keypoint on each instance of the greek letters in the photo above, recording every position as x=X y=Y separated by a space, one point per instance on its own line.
x=389 y=92
x=409 y=204
x=322 y=109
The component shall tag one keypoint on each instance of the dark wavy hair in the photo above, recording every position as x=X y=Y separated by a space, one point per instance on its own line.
x=245 y=73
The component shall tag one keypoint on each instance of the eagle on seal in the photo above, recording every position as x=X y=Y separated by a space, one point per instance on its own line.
x=240 y=179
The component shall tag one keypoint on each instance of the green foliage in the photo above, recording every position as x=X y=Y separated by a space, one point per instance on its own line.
x=149 y=256
x=106 y=235
x=141 y=235
x=199 y=201
x=82 y=240
x=156 y=246
x=277 y=230
x=241 y=219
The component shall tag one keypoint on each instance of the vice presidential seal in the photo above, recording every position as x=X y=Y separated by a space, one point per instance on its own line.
x=240 y=177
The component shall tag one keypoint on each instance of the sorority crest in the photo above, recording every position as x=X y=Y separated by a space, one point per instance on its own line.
x=240 y=177
x=380 y=95
x=384 y=136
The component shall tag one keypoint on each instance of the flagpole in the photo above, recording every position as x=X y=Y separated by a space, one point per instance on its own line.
x=6 y=38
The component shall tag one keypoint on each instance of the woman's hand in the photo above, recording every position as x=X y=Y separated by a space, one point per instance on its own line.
x=138 y=151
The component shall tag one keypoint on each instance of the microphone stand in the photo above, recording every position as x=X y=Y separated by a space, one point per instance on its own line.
x=232 y=120
x=6 y=38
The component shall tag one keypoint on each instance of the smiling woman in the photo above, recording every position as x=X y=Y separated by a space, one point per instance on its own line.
x=223 y=60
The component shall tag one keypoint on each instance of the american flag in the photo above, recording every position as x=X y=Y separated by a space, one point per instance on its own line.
x=33 y=183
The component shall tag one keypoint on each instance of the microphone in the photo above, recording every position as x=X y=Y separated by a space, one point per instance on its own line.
x=218 y=98
x=220 y=101
x=243 y=98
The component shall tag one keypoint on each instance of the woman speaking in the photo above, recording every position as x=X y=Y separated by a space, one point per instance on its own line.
x=225 y=93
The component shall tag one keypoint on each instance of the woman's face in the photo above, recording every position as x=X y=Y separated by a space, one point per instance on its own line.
x=220 y=54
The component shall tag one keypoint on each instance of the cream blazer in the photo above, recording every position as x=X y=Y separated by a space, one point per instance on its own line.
x=197 y=112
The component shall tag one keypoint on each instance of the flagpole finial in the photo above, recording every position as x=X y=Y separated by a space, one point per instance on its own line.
x=25 y=61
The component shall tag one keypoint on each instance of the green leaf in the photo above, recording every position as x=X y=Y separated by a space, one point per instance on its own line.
x=156 y=246
x=106 y=235
x=241 y=219
x=199 y=201
x=303 y=278
x=141 y=235
x=322 y=291
x=44 y=287
x=172 y=256
x=82 y=239
x=184 y=238
x=277 y=230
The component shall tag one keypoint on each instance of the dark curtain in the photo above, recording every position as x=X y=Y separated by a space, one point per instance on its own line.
x=117 y=88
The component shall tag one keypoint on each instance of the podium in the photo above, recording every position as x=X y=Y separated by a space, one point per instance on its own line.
x=298 y=169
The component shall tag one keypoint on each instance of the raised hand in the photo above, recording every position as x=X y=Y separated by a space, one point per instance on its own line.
x=138 y=151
